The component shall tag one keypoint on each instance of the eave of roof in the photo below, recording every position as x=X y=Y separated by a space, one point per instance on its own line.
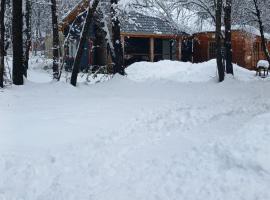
x=237 y=28
x=153 y=35
x=71 y=16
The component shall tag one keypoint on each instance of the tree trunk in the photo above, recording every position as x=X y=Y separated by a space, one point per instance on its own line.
x=56 y=43
x=261 y=27
x=28 y=31
x=37 y=35
x=2 y=42
x=220 y=66
x=228 y=36
x=117 y=54
x=89 y=19
x=17 y=33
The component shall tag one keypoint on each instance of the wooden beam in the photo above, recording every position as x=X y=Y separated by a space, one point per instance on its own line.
x=152 y=49
x=80 y=7
x=123 y=46
x=144 y=35
x=179 y=49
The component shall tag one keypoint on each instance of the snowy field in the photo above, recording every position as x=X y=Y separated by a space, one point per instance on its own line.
x=167 y=131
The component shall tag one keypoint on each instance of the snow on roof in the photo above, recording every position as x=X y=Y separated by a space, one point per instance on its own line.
x=245 y=28
x=131 y=22
x=140 y=23
x=250 y=29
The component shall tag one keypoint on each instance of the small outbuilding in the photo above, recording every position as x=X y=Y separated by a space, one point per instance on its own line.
x=246 y=46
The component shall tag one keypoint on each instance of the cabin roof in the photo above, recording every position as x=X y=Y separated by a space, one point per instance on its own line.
x=135 y=22
x=71 y=15
x=131 y=22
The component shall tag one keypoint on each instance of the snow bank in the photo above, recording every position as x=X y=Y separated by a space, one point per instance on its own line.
x=129 y=140
x=181 y=71
x=40 y=69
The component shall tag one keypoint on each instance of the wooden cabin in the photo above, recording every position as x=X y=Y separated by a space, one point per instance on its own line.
x=246 y=46
x=144 y=38
x=147 y=38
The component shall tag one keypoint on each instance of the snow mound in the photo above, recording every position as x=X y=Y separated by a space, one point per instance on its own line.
x=263 y=63
x=181 y=71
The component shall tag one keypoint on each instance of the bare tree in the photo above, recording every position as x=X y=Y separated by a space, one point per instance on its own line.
x=17 y=33
x=258 y=15
x=89 y=19
x=218 y=36
x=28 y=33
x=2 y=42
x=56 y=43
x=117 y=53
x=228 y=36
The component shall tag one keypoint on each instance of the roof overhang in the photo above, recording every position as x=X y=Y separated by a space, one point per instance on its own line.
x=152 y=35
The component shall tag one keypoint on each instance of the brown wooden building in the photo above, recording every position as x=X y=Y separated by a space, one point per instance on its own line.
x=144 y=38
x=246 y=46
x=147 y=38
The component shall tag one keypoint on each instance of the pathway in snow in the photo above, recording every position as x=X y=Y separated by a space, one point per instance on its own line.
x=126 y=140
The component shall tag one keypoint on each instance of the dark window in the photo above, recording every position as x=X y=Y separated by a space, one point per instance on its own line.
x=136 y=49
x=139 y=46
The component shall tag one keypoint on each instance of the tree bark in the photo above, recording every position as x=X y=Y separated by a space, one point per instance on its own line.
x=220 y=66
x=89 y=19
x=228 y=36
x=2 y=42
x=117 y=55
x=261 y=27
x=56 y=43
x=28 y=31
x=37 y=34
x=17 y=33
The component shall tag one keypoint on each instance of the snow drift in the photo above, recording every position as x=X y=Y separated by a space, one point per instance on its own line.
x=166 y=131
x=181 y=71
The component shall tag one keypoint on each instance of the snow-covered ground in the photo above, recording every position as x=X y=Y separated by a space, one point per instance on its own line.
x=167 y=131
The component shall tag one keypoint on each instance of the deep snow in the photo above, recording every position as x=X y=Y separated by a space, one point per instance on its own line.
x=166 y=131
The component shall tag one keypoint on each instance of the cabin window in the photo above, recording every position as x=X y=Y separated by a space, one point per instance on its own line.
x=136 y=49
x=212 y=50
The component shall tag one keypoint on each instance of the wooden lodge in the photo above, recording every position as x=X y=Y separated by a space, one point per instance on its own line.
x=246 y=46
x=144 y=38
x=147 y=38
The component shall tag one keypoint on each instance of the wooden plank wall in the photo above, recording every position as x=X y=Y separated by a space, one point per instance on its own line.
x=242 y=45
